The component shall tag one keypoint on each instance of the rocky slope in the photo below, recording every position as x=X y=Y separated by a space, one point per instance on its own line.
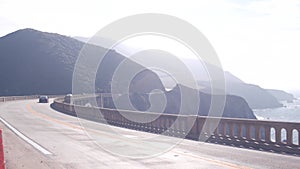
x=34 y=62
x=235 y=106
x=281 y=95
x=257 y=97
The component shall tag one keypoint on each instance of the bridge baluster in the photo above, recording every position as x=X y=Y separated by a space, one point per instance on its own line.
x=257 y=133
x=224 y=129
x=240 y=131
x=231 y=129
x=289 y=136
x=248 y=132
x=278 y=135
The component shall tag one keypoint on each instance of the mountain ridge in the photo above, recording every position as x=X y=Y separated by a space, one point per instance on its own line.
x=35 y=62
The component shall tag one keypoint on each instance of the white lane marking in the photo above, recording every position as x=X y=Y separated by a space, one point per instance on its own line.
x=28 y=140
x=130 y=136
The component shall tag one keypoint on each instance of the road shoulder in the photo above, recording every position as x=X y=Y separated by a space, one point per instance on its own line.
x=19 y=155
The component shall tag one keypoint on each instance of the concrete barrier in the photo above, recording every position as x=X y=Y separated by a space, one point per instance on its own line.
x=248 y=133
x=13 y=98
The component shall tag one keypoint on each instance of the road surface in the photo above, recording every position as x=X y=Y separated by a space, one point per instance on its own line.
x=36 y=136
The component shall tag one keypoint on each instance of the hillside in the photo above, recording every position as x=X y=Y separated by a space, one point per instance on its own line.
x=281 y=95
x=256 y=97
x=34 y=62
x=235 y=106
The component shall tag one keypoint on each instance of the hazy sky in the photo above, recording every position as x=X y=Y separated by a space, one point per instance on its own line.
x=259 y=41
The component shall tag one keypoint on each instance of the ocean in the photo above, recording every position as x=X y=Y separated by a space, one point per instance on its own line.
x=290 y=112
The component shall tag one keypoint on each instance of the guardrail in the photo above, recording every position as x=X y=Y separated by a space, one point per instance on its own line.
x=14 y=98
x=273 y=136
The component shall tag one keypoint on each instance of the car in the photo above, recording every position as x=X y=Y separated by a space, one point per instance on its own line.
x=43 y=99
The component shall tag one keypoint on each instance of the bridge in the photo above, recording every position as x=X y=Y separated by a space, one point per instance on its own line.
x=37 y=136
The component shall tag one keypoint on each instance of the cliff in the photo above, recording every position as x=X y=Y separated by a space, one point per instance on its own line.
x=235 y=106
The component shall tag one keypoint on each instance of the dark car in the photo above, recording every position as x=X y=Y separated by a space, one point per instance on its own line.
x=43 y=99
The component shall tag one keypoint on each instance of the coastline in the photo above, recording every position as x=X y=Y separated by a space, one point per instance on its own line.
x=290 y=112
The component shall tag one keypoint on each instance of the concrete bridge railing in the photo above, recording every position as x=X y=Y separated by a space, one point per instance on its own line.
x=14 y=98
x=282 y=137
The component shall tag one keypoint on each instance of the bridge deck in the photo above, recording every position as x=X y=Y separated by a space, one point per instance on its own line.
x=72 y=147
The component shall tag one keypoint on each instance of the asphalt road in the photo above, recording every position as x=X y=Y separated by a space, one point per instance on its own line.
x=44 y=138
